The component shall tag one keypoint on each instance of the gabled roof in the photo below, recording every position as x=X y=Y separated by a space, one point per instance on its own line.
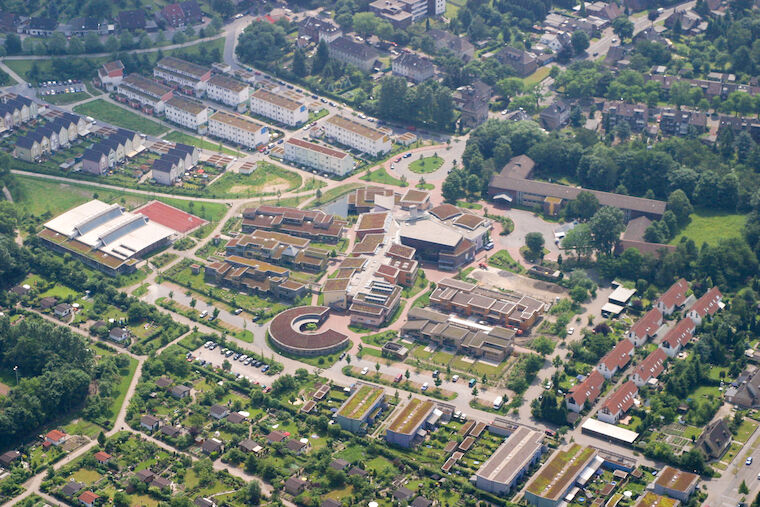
x=652 y=365
x=619 y=356
x=622 y=399
x=648 y=324
x=680 y=334
x=675 y=295
x=708 y=304
x=589 y=389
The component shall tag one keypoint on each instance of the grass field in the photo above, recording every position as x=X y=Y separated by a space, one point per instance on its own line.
x=116 y=115
x=267 y=179
x=381 y=176
x=66 y=98
x=745 y=431
x=334 y=193
x=181 y=137
x=426 y=165
x=503 y=260
x=710 y=226
x=538 y=76
x=123 y=386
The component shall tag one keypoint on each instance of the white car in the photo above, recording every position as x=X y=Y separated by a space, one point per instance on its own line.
x=424 y=387
x=365 y=370
x=570 y=331
x=455 y=378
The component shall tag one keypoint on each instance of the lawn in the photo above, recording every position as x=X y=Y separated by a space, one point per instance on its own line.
x=267 y=179
x=122 y=390
x=426 y=165
x=745 y=431
x=120 y=117
x=66 y=98
x=334 y=193
x=86 y=476
x=381 y=176
x=181 y=137
x=708 y=226
x=503 y=260
x=538 y=76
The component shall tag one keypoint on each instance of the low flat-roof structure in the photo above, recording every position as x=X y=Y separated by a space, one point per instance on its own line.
x=171 y=217
x=609 y=432
x=359 y=407
x=405 y=427
x=548 y=487
x=504 y=468
x=621 y=295
x=675 y=483
x=287 y=332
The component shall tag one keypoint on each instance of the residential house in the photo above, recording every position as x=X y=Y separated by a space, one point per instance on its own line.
x=616 y=359
x=71 y=488
x=472 y=100
x=619 y=402
x=40 y=27
x=556 y=116
x=102 y=457
x=683 y=122
x=166 y=170
x=347 y=50
x=458 y=46
x=357 y=135
x=88 y=499
x=319 y=157
x=413 y=67
x=239 y=129
x=219 y=411
x=94 y=162
x=149 y=422
x=615 y=111
x=645 y=328
x=295 y=486
x=62 y=310
x=119 y=334
x=523 y=63
x=212 y=445
x=588 y=390
x=715 y=439
x=27 y=149
x=170 y=431
x=279 y=108
x=318 y=29
x=650 y=368
x=604 y=10
x=297 y=446
x=132 y=20
x=189 y=113
x=708 y=304
x=56 y=437
x=228 y=91
x=677 y=338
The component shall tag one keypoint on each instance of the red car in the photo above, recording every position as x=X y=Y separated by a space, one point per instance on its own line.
x=397 y=160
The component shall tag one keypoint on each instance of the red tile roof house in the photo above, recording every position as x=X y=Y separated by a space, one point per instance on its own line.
x=588 y=390
x=56 y=437
x=678 y=337
x=174 y=15
x=88 y=498
x=616 y=359
x=673 y=298
x=706 y=305
x=102 y=457
x=618 y=403
x=650 y=367
x=644 y=328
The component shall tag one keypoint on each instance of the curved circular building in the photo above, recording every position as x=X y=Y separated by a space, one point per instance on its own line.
x=288 y=332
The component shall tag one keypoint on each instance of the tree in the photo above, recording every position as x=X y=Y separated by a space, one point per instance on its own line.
x=623 y=27
x=120 y=499
x=580 y=41
x=510 y=87
x=680 y=205
x=606 y=226
x=743 y=489
x=101 y=439
x=535 y=243
x=253 y=493
x=226 y=365
x=262 y=43
x=365 y=23
x=299 y=63
x=407 y=374
x=12 y=44
x=583 y=206
x=321 y=57
x=112 y=44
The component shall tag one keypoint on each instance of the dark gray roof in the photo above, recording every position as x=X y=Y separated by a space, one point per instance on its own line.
x=132 y=19
x=25 y=142
x=71 y=487
x=162 y=165
x=42 y=24
x=414 y=61
x=356 y=49
x=93 y=155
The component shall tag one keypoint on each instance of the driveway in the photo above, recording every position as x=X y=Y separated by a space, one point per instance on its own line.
x=525 y=222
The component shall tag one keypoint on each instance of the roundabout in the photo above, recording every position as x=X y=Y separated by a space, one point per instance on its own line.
x=297 y=331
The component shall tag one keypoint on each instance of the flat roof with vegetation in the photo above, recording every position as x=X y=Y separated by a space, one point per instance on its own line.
x=655 y=500
x=412 y=415
x=562 y=469
x=360 y=402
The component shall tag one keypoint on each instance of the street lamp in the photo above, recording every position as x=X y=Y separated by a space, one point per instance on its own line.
x=15 y=368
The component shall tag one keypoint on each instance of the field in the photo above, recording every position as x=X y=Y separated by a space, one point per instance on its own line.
x=426 y=165
x=123 y=386
x=116 y=115
x=503 y=260
x=66 y=98
x=381 y=176
x=266 y=179
x=334 y=193
x=710 y=226
x=181 y=137
x=538 y=76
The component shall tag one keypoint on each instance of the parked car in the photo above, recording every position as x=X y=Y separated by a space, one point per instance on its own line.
x=238 y=311
x=424 y=387
x=365 y=370
x=489 y=245
x=472 y=382
x=455 y=378
x=570 y=331
x=265 y=368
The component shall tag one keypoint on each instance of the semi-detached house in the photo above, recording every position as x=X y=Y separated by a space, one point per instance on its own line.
x=278 y=108
x=645 y=328
x=650 y=368
x=708 y=304
x=616 y=359
x=678 y=337
x=191 y=114
x=587 y=390
x=616 y=406
x=673 y=298
x=238 y=129
x=357 y=135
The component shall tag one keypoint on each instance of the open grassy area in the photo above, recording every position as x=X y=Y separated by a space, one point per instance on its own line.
x=116 y=115
x=267 y=179
x=538 y=76
x=503 y=260
x=708 y=226
x=426 y=165
x=381 y=176
x=66 y=98
x=181 y=137
x=745 y=431
x=123 y=386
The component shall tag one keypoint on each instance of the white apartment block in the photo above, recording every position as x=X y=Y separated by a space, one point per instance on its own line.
x=189 y=113
x=318 y=157
x=144 y=91
x=191 y=77
x=278 y=108
x=238 y=129
x=357 y=135
x=436 y=7
x=228 y=91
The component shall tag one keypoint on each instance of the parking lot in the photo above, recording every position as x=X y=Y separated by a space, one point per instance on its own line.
x=216 y=358
x=59 y=87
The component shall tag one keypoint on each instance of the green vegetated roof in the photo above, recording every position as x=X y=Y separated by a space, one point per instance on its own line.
x=564 y=466
x=653 y=499
x=411 y=416
x=360 y=402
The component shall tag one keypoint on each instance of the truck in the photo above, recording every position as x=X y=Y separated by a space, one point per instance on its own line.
x=498 y=402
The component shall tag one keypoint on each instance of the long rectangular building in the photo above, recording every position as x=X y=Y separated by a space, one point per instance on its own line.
x=238 y=129
x=501 y=472
x=357 y=135
x=278 y=108
x=191 y=114
x=360 y=408
x=318 y=157
x=228 y=91
x=189 y=76
x=253 y=275
x=141 y=91
x=410 y=423
x=548 y=487
x=315 y=225
x=279 y=248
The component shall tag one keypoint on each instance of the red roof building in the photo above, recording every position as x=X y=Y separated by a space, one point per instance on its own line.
x=102 y=457
x=174 y=15
x=678 y=337
x=88 y=498
x=618 y=403
x=588 y=390
x=706 y=305
x=650 y=367
x=673 y=298
x=616 y=359
x=645 y=328
x=56 y=437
